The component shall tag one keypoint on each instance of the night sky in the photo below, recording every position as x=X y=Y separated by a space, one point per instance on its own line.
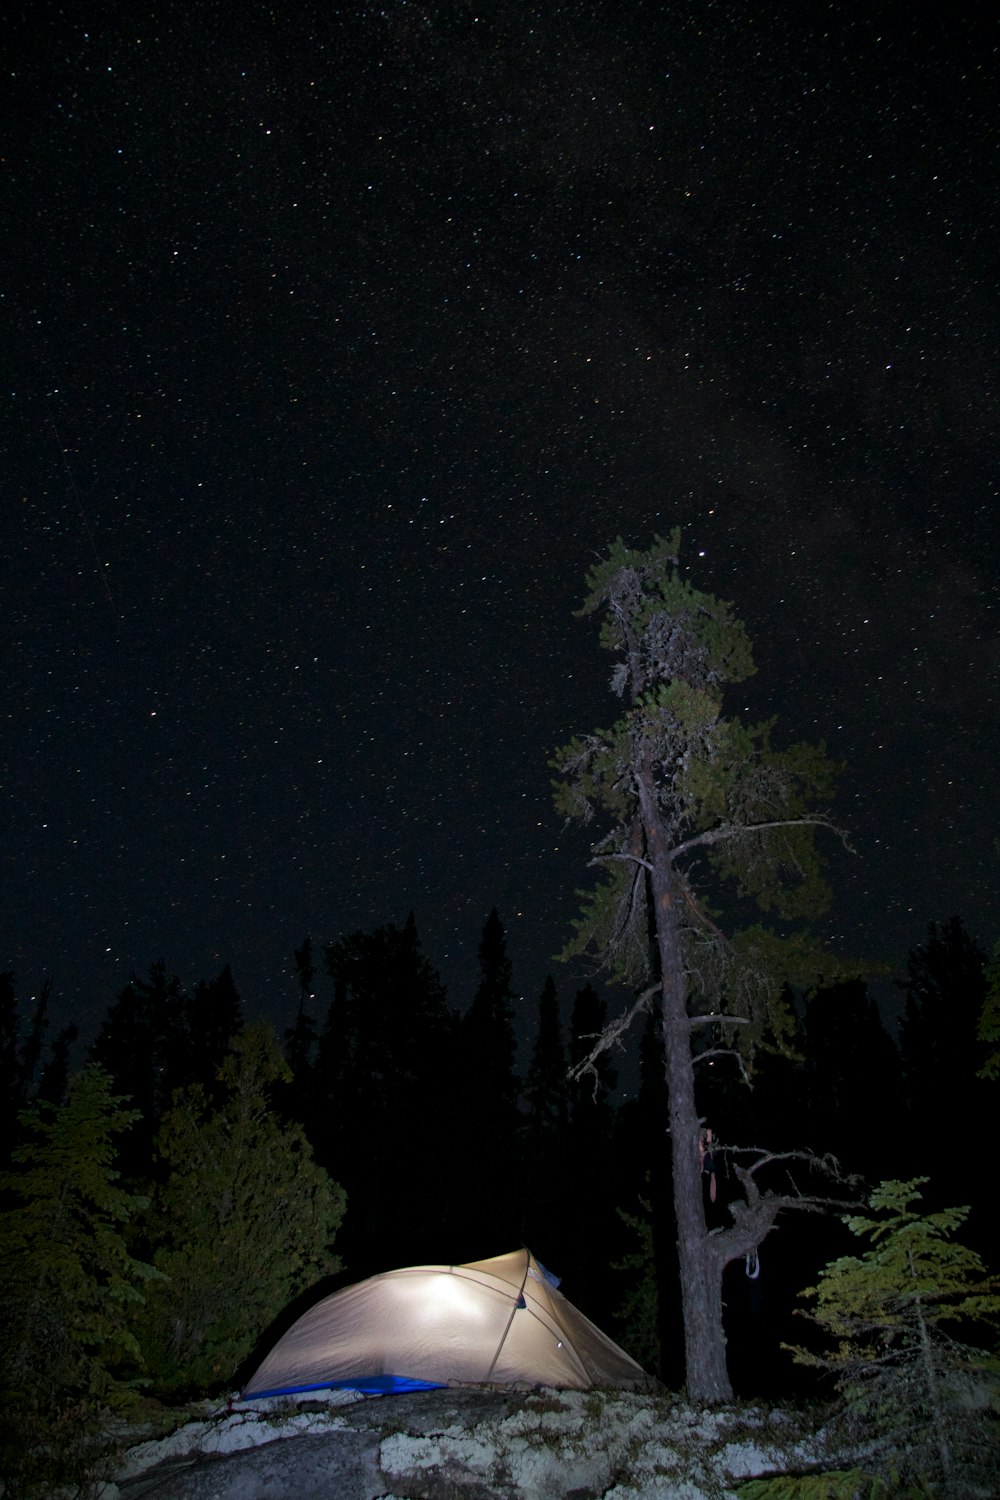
x=339 y=340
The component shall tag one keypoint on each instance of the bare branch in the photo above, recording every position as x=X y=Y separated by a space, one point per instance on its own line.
x=633 y=858
x=721 y=1017
x=764 y=1158
x=729 y=1052
x=754 y=1216
x=611 y=1035
x=733 y=831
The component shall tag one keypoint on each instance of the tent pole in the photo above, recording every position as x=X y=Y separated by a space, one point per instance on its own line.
x=517 y=1300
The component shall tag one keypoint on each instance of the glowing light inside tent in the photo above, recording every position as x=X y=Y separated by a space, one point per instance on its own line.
x=496 y=1321
x=450 y=1296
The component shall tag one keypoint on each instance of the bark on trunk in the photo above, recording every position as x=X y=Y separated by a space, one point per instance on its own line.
x=938 y=1416
x=701 y=1270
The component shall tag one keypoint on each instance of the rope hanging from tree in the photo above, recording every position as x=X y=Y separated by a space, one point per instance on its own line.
x=707 y=1157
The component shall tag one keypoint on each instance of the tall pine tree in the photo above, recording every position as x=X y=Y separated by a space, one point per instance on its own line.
x=695 y=799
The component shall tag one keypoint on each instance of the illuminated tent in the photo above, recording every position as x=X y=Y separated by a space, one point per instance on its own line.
x=491 y=1322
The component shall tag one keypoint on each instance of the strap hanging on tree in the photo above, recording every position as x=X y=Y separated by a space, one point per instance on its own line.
x=707 y=1158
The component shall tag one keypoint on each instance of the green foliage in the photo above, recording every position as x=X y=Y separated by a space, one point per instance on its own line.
x=751 y=785
x=649 y=604
x=735 y=809
x=914 y=1263
x=639 y=1313
x=244 y=1221
x=922 y=1401
x=835 y=1484
x=69 y=1282
x=156 y=1038
x=26 y=1074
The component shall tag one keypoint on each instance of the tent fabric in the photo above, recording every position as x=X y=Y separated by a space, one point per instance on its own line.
x=490 y=1322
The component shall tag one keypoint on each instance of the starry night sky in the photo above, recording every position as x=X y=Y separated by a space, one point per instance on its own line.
x=339 y=340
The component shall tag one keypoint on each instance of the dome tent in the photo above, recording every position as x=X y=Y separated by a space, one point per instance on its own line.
x=491 y=1322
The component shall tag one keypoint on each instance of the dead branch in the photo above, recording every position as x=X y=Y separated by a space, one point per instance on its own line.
x=610 y=1037
x=702 y=916
x=628 y=858
x=755 y=1215
x=765 y=1157
x=720 y=1016
x=738 y=830
x=729 y=1052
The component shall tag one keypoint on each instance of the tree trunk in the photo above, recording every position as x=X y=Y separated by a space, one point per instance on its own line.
x=939 y=1418
x=707 y=1377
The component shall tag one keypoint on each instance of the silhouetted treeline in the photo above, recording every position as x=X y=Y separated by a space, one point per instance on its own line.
x=455 y=1133
x=29 y=1070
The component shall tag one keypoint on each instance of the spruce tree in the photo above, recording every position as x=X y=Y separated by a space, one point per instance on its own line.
x=69 y=1281
x=486 y=1088
x=487 y=1033
x=640 y=1311
x=11 y=1075
x=214 y=1018
x=544 y=1133
x=145 y=1044
x=592 y=1187
x=54 y=1078
x=545 y=1085
x=385 y=1074
x=947 y=1102
x=301 y=1037
x=920 y=1404
x=31 y=1048
x=853 y=1094
x=244 y=1221
x=696 y=800
x=24 y=1077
